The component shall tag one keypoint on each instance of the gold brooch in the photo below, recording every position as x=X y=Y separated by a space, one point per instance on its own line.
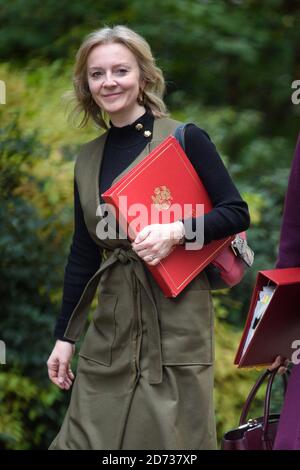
x=147 y=133
x=139 y=126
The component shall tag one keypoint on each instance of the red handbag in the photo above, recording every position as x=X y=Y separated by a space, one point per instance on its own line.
x=229 y=267
x=258 y=433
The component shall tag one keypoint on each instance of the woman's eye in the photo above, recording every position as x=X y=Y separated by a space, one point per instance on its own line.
x=96 y=74
x=121 y=71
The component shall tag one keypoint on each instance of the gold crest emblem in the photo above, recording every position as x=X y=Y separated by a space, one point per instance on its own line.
x=162 y=198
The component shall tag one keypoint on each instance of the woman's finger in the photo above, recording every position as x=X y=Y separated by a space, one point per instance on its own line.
x=52 y=368
x=276 y=363
x=282 y=370
x=67 y=383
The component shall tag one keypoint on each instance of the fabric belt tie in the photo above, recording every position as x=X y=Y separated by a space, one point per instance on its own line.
x=79 y=315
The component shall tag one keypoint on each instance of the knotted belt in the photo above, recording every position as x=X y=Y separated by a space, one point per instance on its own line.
x=79 y=315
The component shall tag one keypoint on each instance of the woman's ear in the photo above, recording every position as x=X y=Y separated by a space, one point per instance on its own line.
x=142 y=84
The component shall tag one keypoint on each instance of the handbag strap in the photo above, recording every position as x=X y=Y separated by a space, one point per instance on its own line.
x=251 y=397
x=179 y=134
x=267 y=374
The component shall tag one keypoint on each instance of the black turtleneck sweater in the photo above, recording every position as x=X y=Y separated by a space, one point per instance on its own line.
x=123 y=144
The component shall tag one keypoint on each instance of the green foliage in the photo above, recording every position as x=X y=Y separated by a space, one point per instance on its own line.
x=55 y=29
x=15 y=151
x=238 y=53
x=28 y=411
x=30 y=272
x=29 y=267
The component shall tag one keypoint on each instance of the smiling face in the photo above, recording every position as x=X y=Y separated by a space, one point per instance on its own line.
x=114 y=81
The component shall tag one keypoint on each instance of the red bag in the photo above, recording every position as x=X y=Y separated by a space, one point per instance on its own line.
x=258 y=433
x=229 y=267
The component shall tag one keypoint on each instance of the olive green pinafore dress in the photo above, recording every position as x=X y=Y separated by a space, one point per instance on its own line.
x=145 y=371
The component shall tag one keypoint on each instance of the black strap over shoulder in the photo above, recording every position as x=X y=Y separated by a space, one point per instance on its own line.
x=212 y=272
x=180 y=132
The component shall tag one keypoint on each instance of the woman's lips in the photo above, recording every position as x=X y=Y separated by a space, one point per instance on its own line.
x=111 y=95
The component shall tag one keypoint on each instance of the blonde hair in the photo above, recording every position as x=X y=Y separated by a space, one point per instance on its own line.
x=152 y=75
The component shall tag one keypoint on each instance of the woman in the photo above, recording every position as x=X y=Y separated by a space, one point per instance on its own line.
x=288 y=434
x=145 y=370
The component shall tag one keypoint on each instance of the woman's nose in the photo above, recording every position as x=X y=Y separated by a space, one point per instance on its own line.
x=108 y=80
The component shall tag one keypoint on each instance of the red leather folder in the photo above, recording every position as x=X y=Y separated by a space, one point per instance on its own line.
x=279 y=326
x=166 y=173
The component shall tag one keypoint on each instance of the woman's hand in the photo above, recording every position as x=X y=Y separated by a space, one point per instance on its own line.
x=155 y=242
x=282 y=362
x=59 y=364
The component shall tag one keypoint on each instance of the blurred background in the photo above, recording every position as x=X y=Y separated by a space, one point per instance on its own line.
x=229 y=67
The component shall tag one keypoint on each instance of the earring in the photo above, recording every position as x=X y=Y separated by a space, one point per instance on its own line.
x=140 y=98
